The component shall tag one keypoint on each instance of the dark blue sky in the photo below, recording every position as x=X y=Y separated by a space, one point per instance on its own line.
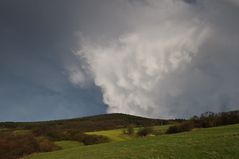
x=35 y=39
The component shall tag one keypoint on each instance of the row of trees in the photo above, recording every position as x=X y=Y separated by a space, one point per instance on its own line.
x=206 y=120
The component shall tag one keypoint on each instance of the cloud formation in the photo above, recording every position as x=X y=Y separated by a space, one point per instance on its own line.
x=176 y=58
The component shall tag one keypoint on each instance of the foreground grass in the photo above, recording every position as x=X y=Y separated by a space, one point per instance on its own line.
x=211 y=143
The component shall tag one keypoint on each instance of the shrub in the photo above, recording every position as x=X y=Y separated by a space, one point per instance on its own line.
x=158 y=132
x=129 y=130
x=145 y=131
x=184 y=126
x=50 y=133
x=172 y=129
x=94 y=139
x=14 y=146
x=46 y=145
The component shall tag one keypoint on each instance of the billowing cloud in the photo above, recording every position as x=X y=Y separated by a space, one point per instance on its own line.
x=174 y=58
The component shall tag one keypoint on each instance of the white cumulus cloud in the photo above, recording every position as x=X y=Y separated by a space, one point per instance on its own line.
x=171 y=61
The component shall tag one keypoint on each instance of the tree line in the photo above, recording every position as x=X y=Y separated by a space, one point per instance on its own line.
x=206 y=120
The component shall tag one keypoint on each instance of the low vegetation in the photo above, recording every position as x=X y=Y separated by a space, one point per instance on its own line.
x=145 y=131
x=129 y=130
x=13 y=146
x=181 y=127
x=93 y=139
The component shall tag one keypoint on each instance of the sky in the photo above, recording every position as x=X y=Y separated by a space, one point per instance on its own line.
x=154 y=58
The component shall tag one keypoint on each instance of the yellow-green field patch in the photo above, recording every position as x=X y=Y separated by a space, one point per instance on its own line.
x=114 y=135
x=68 y=144
x=117 y=134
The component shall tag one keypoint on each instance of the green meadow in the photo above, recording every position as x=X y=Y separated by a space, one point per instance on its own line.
x=68 y=144
x=206 y=143
x=117 y=134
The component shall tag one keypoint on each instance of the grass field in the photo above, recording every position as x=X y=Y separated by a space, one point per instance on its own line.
x=68 y=144
x=116 y=135
x=211 y=143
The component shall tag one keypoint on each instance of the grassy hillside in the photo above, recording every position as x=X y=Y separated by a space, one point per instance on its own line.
x=210 y=143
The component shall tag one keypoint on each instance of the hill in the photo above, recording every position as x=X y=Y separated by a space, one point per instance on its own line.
x=86 y=124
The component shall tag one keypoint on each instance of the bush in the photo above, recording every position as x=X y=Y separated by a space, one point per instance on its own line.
x=129 y=130
x=50 y=133
x=145 y=131
x=15 y=146
x=172 y=129
x=46 y=145
x=184 y=126
x=94 y=139
x=158 y=132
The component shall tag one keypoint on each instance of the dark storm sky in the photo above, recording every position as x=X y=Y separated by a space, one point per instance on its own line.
x=36 y=39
